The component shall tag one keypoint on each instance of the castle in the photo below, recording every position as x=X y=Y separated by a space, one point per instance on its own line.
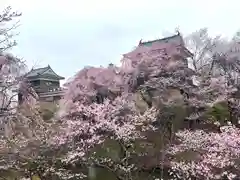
x=46 y=83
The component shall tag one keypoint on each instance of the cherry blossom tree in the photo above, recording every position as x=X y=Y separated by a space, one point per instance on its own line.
x=201 y=44
x=214 y=55
x=102 y=124
x=210 y=91
x=217 y=56
x=21 y=127
x=104 y=119
x=210 y=155
x=100 y=106
x=9 y=22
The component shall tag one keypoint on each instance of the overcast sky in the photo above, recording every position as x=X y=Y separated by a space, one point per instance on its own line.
x=68 y=34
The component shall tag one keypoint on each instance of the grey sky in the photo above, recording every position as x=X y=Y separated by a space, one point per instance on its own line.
x=68 y=34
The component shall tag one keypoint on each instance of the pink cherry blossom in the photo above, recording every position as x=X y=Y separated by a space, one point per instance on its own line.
x=217 y=152
x=85 y=122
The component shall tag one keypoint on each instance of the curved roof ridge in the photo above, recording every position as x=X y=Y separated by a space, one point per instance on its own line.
x=161 y=39
x=39 y=71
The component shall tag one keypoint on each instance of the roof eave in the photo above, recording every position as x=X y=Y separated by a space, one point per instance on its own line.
x=162 y=39
x=61 y=78
x=39 y=77
x=188 y=52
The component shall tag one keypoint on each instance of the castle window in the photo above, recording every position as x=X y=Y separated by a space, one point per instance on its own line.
x=20 y=98
x=48 y=83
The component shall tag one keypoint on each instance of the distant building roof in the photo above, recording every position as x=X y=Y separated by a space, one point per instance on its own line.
x=45 y=72
x=176 y=39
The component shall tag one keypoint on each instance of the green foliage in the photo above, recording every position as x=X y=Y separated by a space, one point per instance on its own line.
x=10 y=174
x=140 y=103
x=48 y=110
x=47 y=114
x=172 y=115
x=35 y=177
x=219 y=112
x=187 y=156
x=101 y=174
x=109 y=149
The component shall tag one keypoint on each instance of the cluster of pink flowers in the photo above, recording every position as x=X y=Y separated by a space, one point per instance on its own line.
x=86 y=83
x=21 y=128
x=217 y=154
x=91 y=124
x=85 y=123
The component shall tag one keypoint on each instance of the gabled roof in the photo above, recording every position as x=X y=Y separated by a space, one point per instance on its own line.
x=176 y=39
x=45 y=72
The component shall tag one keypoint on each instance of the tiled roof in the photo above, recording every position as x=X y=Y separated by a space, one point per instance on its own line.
x=175 y=38
x=36 y=72
x=45 y=71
